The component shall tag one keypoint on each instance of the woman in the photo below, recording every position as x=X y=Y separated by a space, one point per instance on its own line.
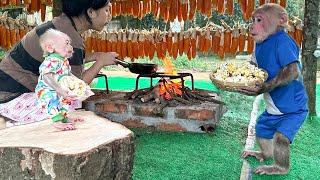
x=19 y=70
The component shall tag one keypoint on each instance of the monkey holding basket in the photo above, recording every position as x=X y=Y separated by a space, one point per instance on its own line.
x=284 y=92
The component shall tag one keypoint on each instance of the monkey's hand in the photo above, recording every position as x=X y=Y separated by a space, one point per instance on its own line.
x=61 y=91
x=285 y=76
x=257 y=154
x=256 y=90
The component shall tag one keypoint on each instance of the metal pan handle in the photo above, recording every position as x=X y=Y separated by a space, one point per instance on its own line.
x=122 y=63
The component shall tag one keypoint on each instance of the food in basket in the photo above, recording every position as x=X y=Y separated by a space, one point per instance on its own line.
x=236 y=74
x=76 y=86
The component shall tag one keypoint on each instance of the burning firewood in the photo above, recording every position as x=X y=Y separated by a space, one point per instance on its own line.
x=167 y=90
x=134 y=94
x=153 y=94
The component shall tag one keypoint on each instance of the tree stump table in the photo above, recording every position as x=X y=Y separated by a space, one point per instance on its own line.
x=97 y=149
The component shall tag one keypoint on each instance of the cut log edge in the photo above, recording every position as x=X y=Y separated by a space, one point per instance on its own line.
x=92 y=133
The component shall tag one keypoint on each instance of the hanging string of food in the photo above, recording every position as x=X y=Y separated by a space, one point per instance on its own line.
x=220 y=40
x=212 y=39
x=183 y=10
x=31 y=6
x=12 y=30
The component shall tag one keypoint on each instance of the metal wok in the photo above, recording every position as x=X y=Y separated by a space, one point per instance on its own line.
x=139 y=68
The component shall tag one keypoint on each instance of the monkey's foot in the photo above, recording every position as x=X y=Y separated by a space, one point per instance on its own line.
x=257 y=154
x=64 y=126
x=76 y=119
x=273 y=169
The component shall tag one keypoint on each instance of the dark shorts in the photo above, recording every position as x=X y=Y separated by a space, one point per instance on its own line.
x=286 y=124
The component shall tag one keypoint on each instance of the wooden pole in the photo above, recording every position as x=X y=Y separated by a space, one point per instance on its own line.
x=309 y=45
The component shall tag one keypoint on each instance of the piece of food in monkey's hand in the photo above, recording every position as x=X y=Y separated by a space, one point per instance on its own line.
x=77 y=86
x=235 y=75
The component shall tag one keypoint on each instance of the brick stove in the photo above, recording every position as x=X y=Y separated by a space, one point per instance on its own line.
x=201 y=116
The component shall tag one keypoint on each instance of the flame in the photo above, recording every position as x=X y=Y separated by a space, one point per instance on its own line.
x=169 y=88
x=168 y=66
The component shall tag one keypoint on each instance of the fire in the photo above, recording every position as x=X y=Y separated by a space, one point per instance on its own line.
x=169 y=88
x=168 y=66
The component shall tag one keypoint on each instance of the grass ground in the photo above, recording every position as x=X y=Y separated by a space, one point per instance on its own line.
x=164 y=155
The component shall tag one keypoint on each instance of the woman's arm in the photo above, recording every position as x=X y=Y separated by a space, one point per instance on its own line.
x=101 y=59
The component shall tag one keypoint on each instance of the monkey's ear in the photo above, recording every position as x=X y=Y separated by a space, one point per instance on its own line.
x=284 y=20
x=49 y=48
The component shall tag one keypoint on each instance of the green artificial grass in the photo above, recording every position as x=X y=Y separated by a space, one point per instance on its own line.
x=304 y=156
x=165 y=155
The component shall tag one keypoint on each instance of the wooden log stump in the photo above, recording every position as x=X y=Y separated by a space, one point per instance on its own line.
x=97 y=149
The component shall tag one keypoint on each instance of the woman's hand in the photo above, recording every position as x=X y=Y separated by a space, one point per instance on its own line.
x=101 y=59
x=105 y=58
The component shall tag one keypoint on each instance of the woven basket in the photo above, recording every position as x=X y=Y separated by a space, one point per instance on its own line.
x=235 y=86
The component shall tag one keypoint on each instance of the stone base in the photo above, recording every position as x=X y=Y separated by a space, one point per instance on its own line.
x=194 y=118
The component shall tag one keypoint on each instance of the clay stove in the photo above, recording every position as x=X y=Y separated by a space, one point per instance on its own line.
x=168 y=105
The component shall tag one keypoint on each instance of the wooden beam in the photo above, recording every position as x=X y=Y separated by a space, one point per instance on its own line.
x=309 y=45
